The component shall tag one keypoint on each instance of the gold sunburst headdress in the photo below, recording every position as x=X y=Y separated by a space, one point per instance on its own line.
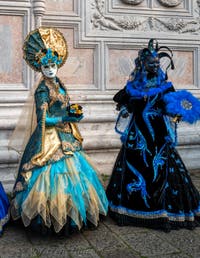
x=45 y=45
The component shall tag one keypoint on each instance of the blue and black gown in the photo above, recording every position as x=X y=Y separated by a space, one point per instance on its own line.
x=150 y=185
x=57 y=186
x=4 y=209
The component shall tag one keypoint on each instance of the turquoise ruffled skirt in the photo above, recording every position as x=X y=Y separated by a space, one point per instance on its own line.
x=4 y=207
x=68 y=188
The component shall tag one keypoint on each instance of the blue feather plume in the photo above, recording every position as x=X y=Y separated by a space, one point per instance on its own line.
x=183 y=103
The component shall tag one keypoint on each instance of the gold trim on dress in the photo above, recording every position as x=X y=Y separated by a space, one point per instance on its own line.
x=27 y=175
x=54 y=92
x=76 y=133
x=57 y=155
x=64 y=127
x=51 y=145
x=38 y=155
x=71 y=146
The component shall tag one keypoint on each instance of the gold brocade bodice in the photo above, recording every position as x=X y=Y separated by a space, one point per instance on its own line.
x=55 y=92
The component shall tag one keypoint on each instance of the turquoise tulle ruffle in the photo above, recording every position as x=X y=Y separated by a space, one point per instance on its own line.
x=68 y=187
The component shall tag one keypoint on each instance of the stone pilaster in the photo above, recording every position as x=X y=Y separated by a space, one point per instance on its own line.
x=39 y=8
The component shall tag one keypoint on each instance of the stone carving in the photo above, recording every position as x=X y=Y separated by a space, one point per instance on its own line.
x=38 y=10
x=170 y=3
x=139 y=23
x=39 y=7
x=178 y=25
x=134 y=2
x=103 y=22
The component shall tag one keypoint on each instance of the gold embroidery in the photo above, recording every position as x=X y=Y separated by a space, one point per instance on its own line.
x=28 y=166
x=44 y=106
x=27 y=175
x=67 y=145
x=51 y=151
x=57 y=155
x=71 y=146
x=64 y=127
x=69 y=153
x=54 y=92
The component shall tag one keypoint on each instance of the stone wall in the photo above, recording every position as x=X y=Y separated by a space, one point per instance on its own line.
x=103 y=39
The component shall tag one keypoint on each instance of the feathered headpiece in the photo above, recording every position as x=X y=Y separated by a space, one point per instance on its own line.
x=45 y=45
x=153 y=50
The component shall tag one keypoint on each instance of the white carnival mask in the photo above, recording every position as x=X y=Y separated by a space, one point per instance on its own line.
x=49 y=70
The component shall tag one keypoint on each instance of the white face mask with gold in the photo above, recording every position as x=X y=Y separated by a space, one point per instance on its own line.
x=49 y=70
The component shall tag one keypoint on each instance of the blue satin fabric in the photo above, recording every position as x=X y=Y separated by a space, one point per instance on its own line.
x=4 y=206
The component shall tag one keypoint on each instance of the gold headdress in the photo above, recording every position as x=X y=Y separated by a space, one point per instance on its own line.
x=45 y=45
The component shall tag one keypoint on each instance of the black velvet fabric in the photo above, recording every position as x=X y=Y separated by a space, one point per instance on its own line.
x=164 y=200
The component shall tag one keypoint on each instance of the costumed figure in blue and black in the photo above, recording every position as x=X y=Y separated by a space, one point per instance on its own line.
x=150 y=185
x=4 y=209
x=57 y=188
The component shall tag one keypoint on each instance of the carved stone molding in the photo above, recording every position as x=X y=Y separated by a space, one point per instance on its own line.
x=134 y=2
x=39 y=7
x=177 y=25
x=170 y=3
x=167 y=3
x=105 y=22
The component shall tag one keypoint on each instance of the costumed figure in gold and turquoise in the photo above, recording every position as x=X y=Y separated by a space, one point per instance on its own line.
x=57 y=188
